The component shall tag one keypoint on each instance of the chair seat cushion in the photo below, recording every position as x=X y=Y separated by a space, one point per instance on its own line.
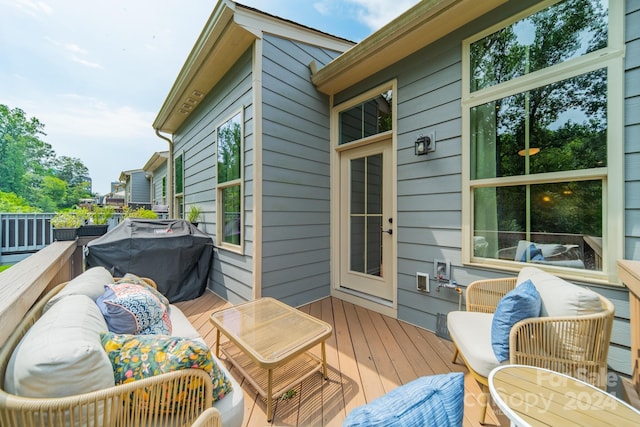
x=180 y=325
x=471 y=332
x=436 y=400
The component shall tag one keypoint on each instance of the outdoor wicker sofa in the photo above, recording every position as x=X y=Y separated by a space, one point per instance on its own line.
x=174 y=398
x=570 y=335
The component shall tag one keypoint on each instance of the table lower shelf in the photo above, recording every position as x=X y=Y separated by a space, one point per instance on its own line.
x=284 y=377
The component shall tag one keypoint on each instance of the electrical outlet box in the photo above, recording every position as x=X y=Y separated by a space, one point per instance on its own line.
x=422 y=282
x=442 y=269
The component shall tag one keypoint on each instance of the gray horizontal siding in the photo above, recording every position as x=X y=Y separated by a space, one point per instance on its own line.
x=429 y=188
x=295 y=175
x=632 y=131
x=621 y=332
x=140 y=188
x=231 y=274
x=158 y=174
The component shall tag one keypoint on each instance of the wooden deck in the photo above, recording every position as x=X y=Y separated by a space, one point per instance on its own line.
x=368 y=355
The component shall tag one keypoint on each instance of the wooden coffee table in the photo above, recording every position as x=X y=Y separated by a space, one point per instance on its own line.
x=269 y=343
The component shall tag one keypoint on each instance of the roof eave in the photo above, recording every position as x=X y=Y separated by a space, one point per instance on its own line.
x=423 y=24
x=155 y=161
x=229 y=32
x=219 y=39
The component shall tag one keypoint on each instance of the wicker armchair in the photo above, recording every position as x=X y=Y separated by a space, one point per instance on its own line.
x=573 y=345
x=209 y=418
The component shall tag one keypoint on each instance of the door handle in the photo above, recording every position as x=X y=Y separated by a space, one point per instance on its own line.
x=389 y=231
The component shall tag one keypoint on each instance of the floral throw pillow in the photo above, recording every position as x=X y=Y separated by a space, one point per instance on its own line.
x=135 y=357
x=137 y=280
x=129 y=308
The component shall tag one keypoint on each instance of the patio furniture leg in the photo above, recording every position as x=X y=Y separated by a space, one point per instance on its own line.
x=484 y=391
x=455 y=355
x=324 y=362
x=218 y=343
x=269 y=395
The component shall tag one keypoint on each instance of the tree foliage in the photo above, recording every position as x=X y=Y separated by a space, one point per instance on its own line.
x=30 y=169
x=565 y=120
x=11 y=203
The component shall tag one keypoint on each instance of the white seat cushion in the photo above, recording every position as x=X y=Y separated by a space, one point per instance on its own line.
x=181 y=327
x=90 y=283
x=471 y=332
x=231 y=406
x=61 y=354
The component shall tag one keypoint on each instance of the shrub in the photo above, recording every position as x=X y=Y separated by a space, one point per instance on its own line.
x=101 y=214
x=139 y=213
x=68 y=219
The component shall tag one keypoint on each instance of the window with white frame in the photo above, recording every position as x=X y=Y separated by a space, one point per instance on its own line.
x=541 y=110
x=229 y=190
x=370 y=117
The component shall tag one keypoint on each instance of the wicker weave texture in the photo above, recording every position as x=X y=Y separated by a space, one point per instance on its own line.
x=159 y=400
x=574 y=345
x=209 y=418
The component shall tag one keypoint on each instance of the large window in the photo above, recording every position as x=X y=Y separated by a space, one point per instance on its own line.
x=229 y=166
x=542 y=145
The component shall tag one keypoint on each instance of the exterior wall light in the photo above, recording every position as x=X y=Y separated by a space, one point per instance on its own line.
x=425 y=144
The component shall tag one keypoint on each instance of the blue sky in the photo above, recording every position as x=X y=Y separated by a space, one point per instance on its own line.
x=97 y=72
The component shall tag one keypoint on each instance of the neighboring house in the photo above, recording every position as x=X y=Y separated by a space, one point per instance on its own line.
x=464 y=139
x=156 y=168
x=137 y=188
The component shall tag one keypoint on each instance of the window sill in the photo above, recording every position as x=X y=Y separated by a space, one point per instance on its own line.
x=582 y=276
x=230 y=248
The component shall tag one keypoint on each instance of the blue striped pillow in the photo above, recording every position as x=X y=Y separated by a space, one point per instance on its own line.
x=436 y=400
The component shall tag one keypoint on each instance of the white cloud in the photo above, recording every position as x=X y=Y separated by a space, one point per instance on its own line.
x=74 y=53
x=85 y=62
x=72 y=47
x=80 y=116
x=377 y=13
x=31 y=7
x=107 y=138
x=77 y=50
x=323 y=7
x=372 y=13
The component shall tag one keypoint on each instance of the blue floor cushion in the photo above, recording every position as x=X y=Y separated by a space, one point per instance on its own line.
x=436 y=401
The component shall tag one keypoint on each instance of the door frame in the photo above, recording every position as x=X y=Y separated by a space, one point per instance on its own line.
x=365 y=282
x=388 y=308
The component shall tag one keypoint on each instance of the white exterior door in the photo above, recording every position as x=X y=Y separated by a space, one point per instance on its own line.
x=366 y=224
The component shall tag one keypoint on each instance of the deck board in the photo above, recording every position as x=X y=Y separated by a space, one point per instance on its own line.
x=368 y=354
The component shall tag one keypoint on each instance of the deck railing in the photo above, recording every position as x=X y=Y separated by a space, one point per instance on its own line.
x=25 y=282
x=24 y=232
